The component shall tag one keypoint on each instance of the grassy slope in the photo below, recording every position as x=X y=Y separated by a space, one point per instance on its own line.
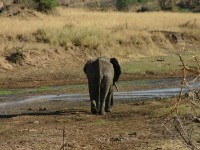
x=58 y=45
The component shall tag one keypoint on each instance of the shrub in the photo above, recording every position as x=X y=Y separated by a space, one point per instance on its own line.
x=45 y=5
x=41 y=36
x=123 y=5
x=40 y=5
x=16 y=57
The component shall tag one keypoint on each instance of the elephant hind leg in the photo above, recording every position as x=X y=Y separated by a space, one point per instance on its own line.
x=104 y=94
x=101 y=109
x=109 y=101
x=93 y=107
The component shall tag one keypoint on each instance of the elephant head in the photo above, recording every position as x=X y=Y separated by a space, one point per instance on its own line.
x=102 y=73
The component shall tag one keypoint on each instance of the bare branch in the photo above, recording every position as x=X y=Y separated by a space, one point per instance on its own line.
x=186 y=136
x=192 y=97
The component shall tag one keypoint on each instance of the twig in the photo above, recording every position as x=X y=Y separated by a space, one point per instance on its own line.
x=184 y=82
x=169 y=130
x=197 y=61
x=185 y=135
x=196 y=71
x=64 y=138
x=181 y=90
x=194 y=79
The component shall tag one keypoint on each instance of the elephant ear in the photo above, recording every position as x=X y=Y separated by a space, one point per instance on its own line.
x=117 y=69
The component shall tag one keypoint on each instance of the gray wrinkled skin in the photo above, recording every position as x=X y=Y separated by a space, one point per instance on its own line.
x=100 y=73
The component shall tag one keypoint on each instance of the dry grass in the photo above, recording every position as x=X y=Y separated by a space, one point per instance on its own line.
x=126 y=35
x=105 y=20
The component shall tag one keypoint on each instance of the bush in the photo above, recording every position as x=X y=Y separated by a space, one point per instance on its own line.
x=40 y=5
x=16 y=57
x=123 y=5
x=45 y=5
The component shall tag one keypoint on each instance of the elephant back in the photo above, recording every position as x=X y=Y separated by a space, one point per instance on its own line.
x=105 y=67
x=91 y=68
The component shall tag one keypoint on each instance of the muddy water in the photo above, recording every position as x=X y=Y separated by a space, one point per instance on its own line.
x=170 y=88
x=129 y=95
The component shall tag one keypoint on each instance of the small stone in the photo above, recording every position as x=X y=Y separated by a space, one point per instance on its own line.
x=29 y=109
x=36 y=122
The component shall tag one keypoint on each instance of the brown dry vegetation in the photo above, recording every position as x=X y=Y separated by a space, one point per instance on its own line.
x=56 y=46
x=41 y=49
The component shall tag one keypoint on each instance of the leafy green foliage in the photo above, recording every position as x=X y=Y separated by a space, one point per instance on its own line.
x=40 y=5
x=123 y=5
x=45 y=5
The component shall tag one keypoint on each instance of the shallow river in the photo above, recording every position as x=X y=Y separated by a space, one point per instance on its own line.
x=173 y=89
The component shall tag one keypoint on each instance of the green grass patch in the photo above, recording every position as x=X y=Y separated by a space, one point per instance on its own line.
x=164 y=108
x=73 y=87
x=77 y=86
x=170 y=63
x=2 y=128
x=43 y=88
x=6 y=92
x=23 y=91
x=158 y=64
x=98 y=122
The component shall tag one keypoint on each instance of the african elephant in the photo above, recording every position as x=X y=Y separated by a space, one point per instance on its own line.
x=102 y=73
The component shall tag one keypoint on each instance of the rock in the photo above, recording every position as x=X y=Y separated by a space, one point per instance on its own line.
x=36 y=122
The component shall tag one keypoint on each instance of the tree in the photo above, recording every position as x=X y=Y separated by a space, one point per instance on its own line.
x=122 y=5
x=166 y=4
x=45 y=5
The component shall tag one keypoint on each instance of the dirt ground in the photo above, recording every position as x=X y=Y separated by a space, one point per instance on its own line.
x=131 y=125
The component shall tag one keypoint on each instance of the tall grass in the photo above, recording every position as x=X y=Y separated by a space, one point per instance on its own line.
x=121 y=32
x=67 y=35
x=101 y=20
